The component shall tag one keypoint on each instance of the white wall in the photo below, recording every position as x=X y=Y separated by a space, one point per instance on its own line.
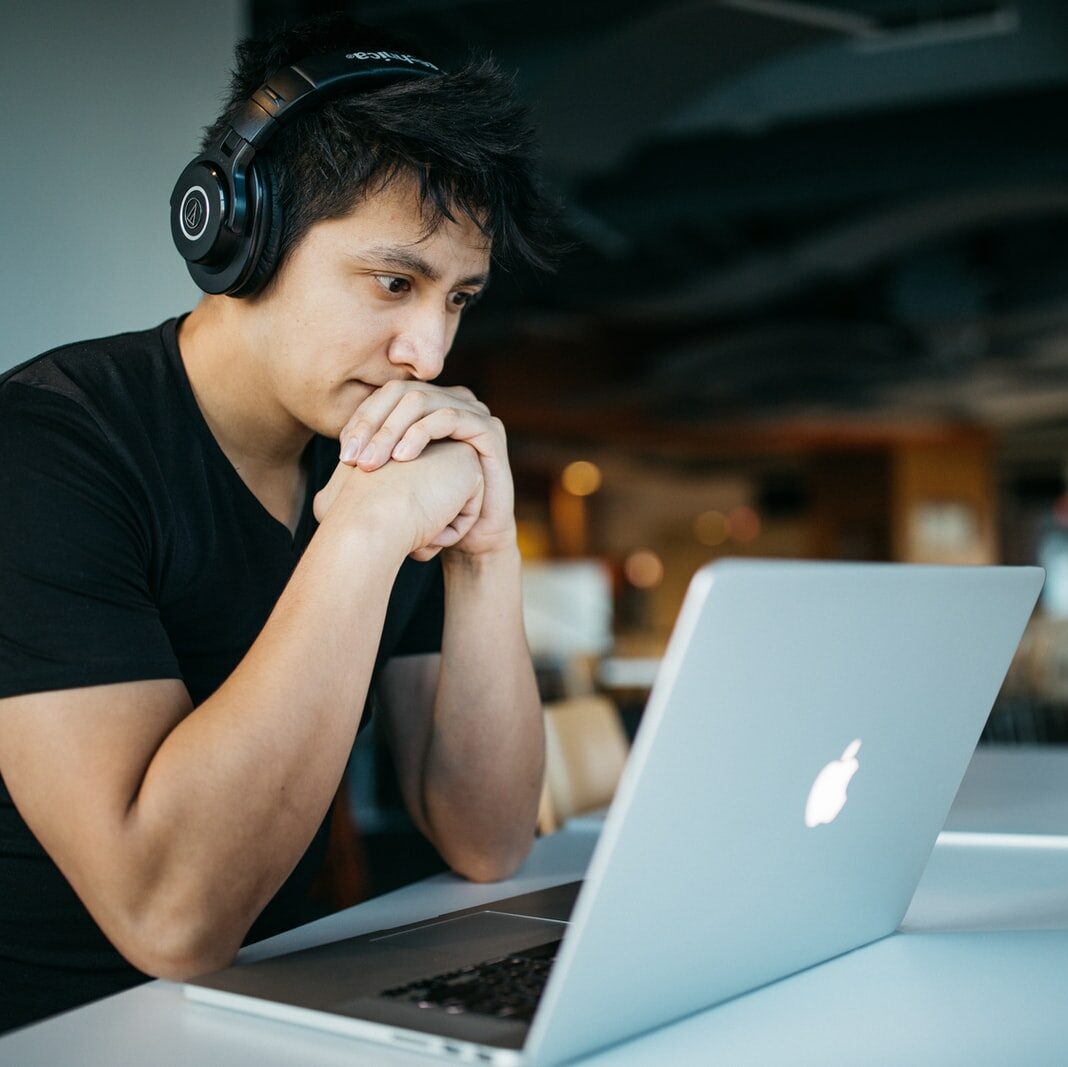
x=103 y=105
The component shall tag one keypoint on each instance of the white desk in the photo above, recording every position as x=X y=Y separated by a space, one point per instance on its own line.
x=976 y=976
x=1021 y=790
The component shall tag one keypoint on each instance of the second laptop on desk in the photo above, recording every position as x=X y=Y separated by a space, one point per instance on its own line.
x=803 y=742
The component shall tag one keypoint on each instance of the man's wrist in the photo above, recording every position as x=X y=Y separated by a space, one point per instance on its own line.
x=463 y=567
x=381 y=533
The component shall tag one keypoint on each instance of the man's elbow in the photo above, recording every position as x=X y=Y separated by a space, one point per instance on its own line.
x=180 y=966
x=176 y=951
x=488 y=866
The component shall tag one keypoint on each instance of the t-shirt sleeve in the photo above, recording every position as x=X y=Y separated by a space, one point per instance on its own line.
x=76 y=607
x=424 y=628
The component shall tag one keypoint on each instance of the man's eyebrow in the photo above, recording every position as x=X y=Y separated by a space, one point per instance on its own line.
x=405 y=259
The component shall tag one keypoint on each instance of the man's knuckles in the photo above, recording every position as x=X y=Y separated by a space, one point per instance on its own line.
x=414 y=404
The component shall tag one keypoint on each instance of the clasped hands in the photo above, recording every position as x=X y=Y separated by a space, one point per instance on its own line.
x=399 y=420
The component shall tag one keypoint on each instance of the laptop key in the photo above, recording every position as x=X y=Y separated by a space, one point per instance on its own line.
x=507 y=987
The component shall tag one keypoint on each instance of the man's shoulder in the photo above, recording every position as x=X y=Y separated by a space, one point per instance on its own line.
x=63 y=366
x=101 y=376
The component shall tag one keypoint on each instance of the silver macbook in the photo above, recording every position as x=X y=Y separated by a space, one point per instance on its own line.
x=800 y=750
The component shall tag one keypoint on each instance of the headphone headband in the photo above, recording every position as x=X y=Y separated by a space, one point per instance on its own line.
x=221 y=208
x=293 y=89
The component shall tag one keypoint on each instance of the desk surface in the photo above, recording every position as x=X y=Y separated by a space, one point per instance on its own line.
x=1020 y=790
x=975 y=975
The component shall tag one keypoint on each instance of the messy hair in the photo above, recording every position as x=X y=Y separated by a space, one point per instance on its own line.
x=462 y=136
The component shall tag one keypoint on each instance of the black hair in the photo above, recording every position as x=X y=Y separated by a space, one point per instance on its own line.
x=463 y=136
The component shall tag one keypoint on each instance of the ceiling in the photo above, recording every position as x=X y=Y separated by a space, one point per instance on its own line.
x=779 y=209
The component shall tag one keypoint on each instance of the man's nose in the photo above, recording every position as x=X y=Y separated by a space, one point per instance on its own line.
x=420 y=347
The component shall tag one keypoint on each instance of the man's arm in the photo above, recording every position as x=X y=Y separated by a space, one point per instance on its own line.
x=471 y=769
x=466 y=728
x=177 y=825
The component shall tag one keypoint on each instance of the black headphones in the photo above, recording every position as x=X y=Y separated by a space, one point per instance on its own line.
x=225 y=218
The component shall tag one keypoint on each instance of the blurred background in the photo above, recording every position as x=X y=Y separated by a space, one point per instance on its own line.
x=817 y=305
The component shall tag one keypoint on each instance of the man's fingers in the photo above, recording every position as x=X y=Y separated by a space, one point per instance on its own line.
x=469 y=398
x=411 y=409
x=353 y=439
x=382 y=419
x=459 y=528
x=444 y=423
x=423 y=555
x=456 y=531
x=437 y=426
x=372 y=438
x=368 y=418
x=447 y=538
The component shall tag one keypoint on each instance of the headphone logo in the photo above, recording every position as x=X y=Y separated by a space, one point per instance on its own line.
x=193 y=213
x=388 y=57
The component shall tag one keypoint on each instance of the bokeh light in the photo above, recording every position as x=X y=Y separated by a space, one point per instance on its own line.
x=581 y=478
x=744 y=524
x=711 y=528
x=644 y=568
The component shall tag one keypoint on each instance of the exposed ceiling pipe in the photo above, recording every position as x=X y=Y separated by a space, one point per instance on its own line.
x=881 y=35
x=825 y=18
x=845 y=250
x=1000 y=21
x=602 y=99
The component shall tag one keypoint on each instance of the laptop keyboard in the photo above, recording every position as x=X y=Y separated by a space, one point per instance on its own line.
x=508 y=987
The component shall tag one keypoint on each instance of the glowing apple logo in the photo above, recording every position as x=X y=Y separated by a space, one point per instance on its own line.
x=827 y=796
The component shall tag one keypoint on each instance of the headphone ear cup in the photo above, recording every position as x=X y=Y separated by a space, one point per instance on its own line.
x=198 y=206
x=268 y=236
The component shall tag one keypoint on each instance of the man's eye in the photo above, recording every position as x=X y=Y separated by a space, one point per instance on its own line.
x=392 y=283
x=464 y=300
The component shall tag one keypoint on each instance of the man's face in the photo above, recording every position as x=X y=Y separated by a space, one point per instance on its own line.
x=362 y=300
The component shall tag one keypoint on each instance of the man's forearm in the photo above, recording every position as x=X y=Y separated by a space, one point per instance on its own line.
x=235 y=792
x=485 y=756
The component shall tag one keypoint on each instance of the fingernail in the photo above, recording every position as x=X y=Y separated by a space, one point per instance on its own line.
x=348 y=453
x=368 y=454
x=403 y=450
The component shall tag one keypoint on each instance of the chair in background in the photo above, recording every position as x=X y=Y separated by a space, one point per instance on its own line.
x=585 y=750
x=344 y=878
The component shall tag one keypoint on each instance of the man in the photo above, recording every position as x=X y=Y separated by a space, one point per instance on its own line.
x=196 y=594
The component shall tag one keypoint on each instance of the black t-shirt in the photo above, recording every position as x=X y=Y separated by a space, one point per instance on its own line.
x=130 y=549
